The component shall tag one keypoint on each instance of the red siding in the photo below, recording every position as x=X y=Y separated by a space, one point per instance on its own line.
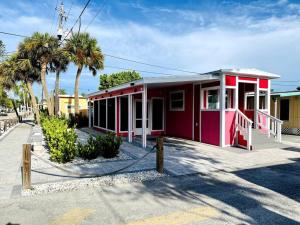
x=124 y=91
x=248 y=78
x=179 y=123
x=250 y=114
x=230 y=80
x=210 y=127
x=211 y=84
x=197 y=113
x=263 y=83
x=229 y=127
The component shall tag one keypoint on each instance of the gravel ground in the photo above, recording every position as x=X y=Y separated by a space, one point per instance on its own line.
x=92 y=182
x=36 y=163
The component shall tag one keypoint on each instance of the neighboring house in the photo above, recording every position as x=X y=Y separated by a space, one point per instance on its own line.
x=210 y=108
x=286 y=107
x=66 y=105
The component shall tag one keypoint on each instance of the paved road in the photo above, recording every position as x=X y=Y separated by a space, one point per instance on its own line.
x=267 y=195
x=10 y=158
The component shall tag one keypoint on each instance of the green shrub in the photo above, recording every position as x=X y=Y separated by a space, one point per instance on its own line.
x=90 y=150
x=60 y=138
x=110 y=145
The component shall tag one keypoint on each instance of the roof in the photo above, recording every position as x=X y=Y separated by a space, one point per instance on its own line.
x=286 y=93
x=167 y=80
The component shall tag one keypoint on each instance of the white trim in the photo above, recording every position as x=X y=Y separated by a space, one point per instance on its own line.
x=222 y=110
x=130 y=118
x=200 y=106
x=218 y=102
x=230 y=87
x=139 y=131
x=247 y=81
x=116 y=114
x=256 y=103
x=193 y=114
x=183 y=101
x=144 y=116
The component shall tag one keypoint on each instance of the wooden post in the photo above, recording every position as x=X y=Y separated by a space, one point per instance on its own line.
x=26 y=171
x=160 y=155
x=5 y=126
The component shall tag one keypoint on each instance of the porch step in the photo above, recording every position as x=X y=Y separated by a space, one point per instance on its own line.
x=262 y=141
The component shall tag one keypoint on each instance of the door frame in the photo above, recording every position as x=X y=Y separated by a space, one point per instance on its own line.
x=139 y=131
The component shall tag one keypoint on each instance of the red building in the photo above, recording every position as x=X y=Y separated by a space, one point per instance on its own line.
x=218 y=108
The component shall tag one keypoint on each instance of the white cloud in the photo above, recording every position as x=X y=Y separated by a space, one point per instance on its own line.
x=238 y=40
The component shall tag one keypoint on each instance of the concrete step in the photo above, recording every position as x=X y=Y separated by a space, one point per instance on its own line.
x=261 y=140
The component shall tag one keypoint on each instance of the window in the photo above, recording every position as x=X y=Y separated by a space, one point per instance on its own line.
x=262 y=99
x=96 y=111
x=124 y=113
x=111 y=113
x=229 y=99
x=213 y=99
x=157 y=114
x=284 y=109
x=250 y=103
x=102 y=110
x=177 y=101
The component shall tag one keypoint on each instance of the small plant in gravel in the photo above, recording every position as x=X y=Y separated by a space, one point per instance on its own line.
x=110 y=145
x=90 y=150
x=61 y=139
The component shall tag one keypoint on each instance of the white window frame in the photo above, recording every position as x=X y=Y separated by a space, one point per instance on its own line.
x=183 y=101
x=202 y=101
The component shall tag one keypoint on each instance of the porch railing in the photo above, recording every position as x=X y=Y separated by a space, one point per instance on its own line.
x=271 y=124
x=244 y=126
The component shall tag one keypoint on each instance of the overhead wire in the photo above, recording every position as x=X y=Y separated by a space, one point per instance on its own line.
x=98 y=12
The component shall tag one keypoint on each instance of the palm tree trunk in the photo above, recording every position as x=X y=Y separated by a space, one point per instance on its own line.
x=56 y=102
x=15 y=109
x=76 y=97
x=33 y=101
x=44 y=85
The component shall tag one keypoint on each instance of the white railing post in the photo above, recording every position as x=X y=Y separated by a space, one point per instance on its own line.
x=249 y=142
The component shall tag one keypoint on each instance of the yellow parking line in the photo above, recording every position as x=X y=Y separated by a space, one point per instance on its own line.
x=72 y=217
x=179 y=218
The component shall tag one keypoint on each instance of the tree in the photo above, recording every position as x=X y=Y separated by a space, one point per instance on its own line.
x=40 y=48
x=62 y=92
x=114 y=79
x=16 y=69
x=85 y=53
x=59 y=64
x=2 y=49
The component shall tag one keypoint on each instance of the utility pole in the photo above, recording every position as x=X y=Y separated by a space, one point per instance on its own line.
x=61 y=19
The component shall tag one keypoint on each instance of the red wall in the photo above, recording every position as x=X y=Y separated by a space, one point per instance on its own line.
x=229 y=127
x=179 y=123
x=210 y=127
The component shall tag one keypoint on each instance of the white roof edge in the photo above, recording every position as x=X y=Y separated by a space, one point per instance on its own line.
x=251 y=72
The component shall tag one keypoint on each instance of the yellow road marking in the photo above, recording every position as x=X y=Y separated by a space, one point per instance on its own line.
x=179 y=218
x=72 y=217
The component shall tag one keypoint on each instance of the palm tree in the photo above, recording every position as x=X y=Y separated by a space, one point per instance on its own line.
x=60 y=62
x=84 y=52
x=16 y=69
x=39 y=48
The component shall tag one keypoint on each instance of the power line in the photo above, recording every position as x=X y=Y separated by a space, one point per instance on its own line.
x=148 y=64
x=78 y=18
x=121 y=58
x=142 y=71
x=99 y=11
x=13 y=34
x=53 y=19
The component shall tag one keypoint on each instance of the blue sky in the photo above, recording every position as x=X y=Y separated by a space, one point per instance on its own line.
x=194 y=35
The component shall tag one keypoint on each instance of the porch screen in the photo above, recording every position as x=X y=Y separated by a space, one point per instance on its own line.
x=96 y=112
x=103 y=113
x=213 y=99
x=157 y=114
x=111 y=114
x=124 y=113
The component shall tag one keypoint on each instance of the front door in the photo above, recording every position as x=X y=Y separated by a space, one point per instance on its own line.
x=138 y=115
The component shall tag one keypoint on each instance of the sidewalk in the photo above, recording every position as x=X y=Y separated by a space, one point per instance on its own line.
x=11 y=156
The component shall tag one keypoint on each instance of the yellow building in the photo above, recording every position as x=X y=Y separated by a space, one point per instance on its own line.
x=67 y=104
x=286 y=107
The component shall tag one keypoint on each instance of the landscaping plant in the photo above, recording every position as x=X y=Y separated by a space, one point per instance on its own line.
x=60 y=138
x=110 y=144
x=90 y=150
